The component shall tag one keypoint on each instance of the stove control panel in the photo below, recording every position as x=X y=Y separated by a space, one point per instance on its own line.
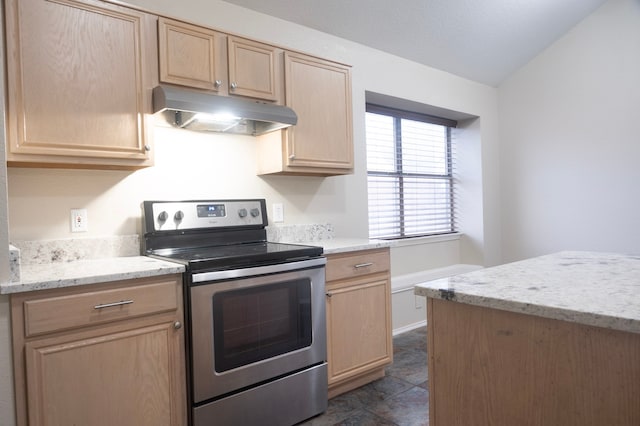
x=182 y=215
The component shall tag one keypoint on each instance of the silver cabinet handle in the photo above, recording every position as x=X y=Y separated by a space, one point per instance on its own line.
x=234 y=85
x=329 y=294
x=362 y=265
x=147 y=148
x=109 y=305
x=217 y=83
x=177 y=325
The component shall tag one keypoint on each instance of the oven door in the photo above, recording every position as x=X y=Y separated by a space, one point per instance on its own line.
x=252 y=325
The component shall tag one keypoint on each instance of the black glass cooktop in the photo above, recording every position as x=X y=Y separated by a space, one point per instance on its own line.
x=236 y=255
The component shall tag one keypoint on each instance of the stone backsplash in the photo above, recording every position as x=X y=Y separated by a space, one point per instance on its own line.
x=300 y=233
x=70 y=249
x=14 y=264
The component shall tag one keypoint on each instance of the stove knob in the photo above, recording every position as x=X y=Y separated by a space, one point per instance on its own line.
x=178 y=216
x=255 y=212
x=162 y=217
x=242 y=212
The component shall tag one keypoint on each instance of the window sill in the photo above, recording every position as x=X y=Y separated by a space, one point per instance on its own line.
x=431 y=239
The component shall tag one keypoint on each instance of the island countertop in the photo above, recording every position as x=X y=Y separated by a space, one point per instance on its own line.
x=597 y=289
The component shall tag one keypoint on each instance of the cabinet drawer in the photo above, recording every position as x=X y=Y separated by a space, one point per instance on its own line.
x=349 y=265
x=89 y=308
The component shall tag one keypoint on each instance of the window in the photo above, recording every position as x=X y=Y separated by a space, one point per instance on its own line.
x=410 y=169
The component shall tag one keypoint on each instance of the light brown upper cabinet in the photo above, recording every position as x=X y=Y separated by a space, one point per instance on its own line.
x=80 y=75
x=189 y=56
x=201 y=58
x=254 y=69
x=319 y=91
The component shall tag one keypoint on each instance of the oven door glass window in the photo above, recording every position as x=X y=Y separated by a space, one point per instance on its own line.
x=256 y=323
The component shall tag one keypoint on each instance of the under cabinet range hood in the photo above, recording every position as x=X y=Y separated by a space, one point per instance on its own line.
x=199 y=111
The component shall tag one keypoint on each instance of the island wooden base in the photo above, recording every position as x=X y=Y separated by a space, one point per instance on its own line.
x=492 y=367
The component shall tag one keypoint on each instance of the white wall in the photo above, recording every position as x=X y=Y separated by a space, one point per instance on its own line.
x=4 y=228
x=570 y=153
x=7 y=412
x=409 y=259
x=190 y=165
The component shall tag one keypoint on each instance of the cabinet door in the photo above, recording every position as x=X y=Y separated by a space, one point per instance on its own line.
x=319 y=92
x=189 y=55
x=80 y=75
x=122 y=378
x=254 y=69
x=358 y=326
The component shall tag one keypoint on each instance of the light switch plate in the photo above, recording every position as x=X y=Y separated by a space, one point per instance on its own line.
x=278 y=212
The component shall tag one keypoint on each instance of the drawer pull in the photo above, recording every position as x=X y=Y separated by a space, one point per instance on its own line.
x=329 y=294
x=362 y=265
x=109 y=305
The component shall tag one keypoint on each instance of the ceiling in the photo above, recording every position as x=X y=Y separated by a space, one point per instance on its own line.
x=481 y=40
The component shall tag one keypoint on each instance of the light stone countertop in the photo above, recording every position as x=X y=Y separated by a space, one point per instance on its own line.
x=63 y=271
x=597 y=289
x=89 y=271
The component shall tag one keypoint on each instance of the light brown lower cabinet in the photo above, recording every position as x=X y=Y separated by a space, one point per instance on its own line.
x=106 y=354
x=359 y=344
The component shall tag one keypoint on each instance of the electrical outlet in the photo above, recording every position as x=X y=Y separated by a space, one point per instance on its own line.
x=79 y=220
x=278 y=213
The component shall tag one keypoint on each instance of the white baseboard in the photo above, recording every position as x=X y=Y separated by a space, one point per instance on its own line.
x=412 y=313
x=409 y=327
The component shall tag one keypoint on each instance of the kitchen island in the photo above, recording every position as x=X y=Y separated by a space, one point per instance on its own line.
x=553 y=340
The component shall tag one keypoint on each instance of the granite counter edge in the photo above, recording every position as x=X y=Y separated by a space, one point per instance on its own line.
x=432 y=290
x=86 y=272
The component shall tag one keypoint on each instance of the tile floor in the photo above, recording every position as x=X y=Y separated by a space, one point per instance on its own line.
x=400 y=398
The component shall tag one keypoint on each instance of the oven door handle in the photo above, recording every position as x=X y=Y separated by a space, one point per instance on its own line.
x=258 y=270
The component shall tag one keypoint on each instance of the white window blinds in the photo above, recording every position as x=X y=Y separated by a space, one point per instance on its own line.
x=410 y=168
